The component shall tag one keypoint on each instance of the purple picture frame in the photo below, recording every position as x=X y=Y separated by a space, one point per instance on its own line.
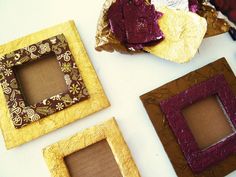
x=199 y=159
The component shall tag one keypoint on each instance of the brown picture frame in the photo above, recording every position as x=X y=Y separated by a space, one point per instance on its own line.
x=23 y=114
x=151 y=102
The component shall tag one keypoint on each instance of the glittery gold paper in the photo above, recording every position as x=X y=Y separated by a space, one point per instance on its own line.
x=97 y=101
x=105 y=40
x=184 y=32
x=108 y=130
x=215 y=25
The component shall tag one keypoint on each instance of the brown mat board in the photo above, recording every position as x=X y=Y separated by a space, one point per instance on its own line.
x=40 y=79
x=94 y=160
x=151 y=102
x=200 y=121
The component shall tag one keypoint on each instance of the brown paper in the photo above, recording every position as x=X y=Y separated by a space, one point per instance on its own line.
x=40 y=79
x=215 y=25
x=201 y=116
x=94 y=160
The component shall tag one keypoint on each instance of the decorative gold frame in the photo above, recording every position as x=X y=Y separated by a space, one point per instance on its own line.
x=14 y=137
x=54 y=154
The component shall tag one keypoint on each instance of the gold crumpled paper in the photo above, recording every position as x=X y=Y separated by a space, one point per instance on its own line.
x=215 y=25
x=184 y=32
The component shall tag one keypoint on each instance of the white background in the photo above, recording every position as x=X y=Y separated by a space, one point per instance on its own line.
x=124 y=78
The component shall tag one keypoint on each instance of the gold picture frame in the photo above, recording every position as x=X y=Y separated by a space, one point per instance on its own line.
x=109 y=131
x=14 y=137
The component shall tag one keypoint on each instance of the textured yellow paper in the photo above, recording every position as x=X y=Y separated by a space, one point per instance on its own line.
x=109 y=130
x=184 y=32
x=97 y=101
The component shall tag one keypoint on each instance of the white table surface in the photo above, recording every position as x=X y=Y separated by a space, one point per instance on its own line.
x=124 y=78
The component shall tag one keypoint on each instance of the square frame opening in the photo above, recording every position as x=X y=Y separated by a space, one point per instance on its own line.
x=200 y=117
x=40 y=79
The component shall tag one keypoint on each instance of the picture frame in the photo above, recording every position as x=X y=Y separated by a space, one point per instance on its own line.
x=23 y=114
x=200 y=159
x=152 y=100
x=97 y=98
x=54 y=154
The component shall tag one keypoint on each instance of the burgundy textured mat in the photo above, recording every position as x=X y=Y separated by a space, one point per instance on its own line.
x=152 y=101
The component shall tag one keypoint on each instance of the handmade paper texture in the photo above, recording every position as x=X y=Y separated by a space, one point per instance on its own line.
x=97 y=101
x=199 y=159
x=184 y=32
x=54 y=154
x=35 y=82
x=94 y=160
x=151 y=102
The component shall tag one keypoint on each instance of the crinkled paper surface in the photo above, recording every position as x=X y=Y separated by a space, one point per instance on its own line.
x=105 y=40
x=184 y=32
x=97 y=101
x=215 y=24
x=151 y=102
x=108 y=130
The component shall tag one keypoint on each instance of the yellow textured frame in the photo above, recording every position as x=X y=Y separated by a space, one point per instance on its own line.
x=97 y=101
x=54 y=154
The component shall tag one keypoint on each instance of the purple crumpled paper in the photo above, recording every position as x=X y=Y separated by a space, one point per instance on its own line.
x=134 y=23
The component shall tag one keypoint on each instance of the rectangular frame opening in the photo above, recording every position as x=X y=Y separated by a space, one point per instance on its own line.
x=94 y=160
